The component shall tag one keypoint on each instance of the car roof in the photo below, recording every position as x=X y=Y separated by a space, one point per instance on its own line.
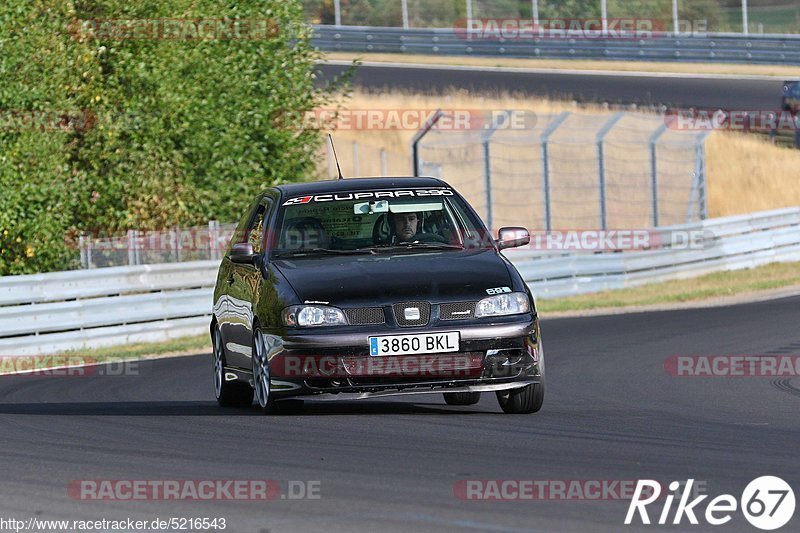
x=358 y=184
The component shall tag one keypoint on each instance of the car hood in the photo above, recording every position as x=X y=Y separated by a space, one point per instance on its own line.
x=364 y=280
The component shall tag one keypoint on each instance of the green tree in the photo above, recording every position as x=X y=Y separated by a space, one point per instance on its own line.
x=180 y=130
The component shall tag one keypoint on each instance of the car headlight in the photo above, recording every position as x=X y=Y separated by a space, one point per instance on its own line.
x=513 y=303
x=306 y=316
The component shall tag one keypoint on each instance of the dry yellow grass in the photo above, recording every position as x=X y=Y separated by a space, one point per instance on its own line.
x=745 y=173
x=576 y=64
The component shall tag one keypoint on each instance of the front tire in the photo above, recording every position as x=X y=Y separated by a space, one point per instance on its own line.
x=228 y=393
x=527 y=399
x=461 y=398
x=261 y=375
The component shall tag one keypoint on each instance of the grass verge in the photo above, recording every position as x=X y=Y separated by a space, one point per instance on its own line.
x=576 y=64
x=143 y=350
x=719 y=284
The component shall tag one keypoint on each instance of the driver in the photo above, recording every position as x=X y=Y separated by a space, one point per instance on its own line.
x=405 y=226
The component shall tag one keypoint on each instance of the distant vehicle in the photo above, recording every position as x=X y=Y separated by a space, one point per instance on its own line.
x=791 y=96
x=790 y=101
x=370 y=287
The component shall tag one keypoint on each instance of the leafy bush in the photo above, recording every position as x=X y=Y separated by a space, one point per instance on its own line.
x=172 y=132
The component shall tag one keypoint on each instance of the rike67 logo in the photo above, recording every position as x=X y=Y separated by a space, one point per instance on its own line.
x=767 y=503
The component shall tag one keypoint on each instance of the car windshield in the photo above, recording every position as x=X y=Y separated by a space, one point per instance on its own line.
x=374 y=221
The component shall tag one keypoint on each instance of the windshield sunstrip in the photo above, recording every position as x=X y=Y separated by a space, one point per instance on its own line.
x=338 y=197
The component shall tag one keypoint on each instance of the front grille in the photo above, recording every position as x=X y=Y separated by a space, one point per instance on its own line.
x=365 y=316
x=424 y=309
x=457 y=311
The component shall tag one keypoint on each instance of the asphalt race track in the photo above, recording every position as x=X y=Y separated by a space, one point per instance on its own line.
x=678 y=92
x=611 y=412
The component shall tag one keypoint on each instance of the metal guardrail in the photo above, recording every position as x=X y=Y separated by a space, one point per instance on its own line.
x=47 y=313
x=721 y=47
x=730 y=243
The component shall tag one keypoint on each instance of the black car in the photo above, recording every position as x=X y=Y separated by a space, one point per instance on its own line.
x=372 y=287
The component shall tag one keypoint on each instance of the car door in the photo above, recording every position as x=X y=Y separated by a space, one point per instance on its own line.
x=243 y=288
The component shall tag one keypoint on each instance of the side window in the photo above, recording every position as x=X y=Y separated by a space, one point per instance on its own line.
x=256 y=232
x=240 y=233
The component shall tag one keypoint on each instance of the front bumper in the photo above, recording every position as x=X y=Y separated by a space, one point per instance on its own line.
x=332 y=365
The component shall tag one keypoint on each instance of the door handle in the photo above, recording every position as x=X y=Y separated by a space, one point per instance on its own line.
x=230 y=279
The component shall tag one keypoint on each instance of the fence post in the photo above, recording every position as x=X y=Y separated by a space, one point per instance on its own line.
x=213 y=235
x=700 y=170
x=544 y=139
x=486 y=140
x=487 y=178
x=654 y=170
x=745 y=21
x=131 y=247
x=384 y=163
x=430 y=123
x=81 y=247
x=176 y=234
x=601 y=167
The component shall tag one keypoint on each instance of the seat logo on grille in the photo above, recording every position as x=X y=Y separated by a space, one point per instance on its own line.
x=411 y=313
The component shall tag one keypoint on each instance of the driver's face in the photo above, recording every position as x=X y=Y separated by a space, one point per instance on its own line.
x=405 y=225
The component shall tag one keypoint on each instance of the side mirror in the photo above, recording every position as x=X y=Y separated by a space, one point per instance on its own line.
x=242 y=253
x=512 y=237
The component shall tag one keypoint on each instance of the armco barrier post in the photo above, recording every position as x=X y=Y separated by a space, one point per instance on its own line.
x=549 y=130
x=601 y=167
x=415 y=166
x=654 y=169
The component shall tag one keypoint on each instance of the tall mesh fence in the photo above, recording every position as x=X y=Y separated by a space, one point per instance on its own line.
x=559 y=171
x=572 y=171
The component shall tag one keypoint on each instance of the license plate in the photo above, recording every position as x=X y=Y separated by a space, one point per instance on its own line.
x=413 y=344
